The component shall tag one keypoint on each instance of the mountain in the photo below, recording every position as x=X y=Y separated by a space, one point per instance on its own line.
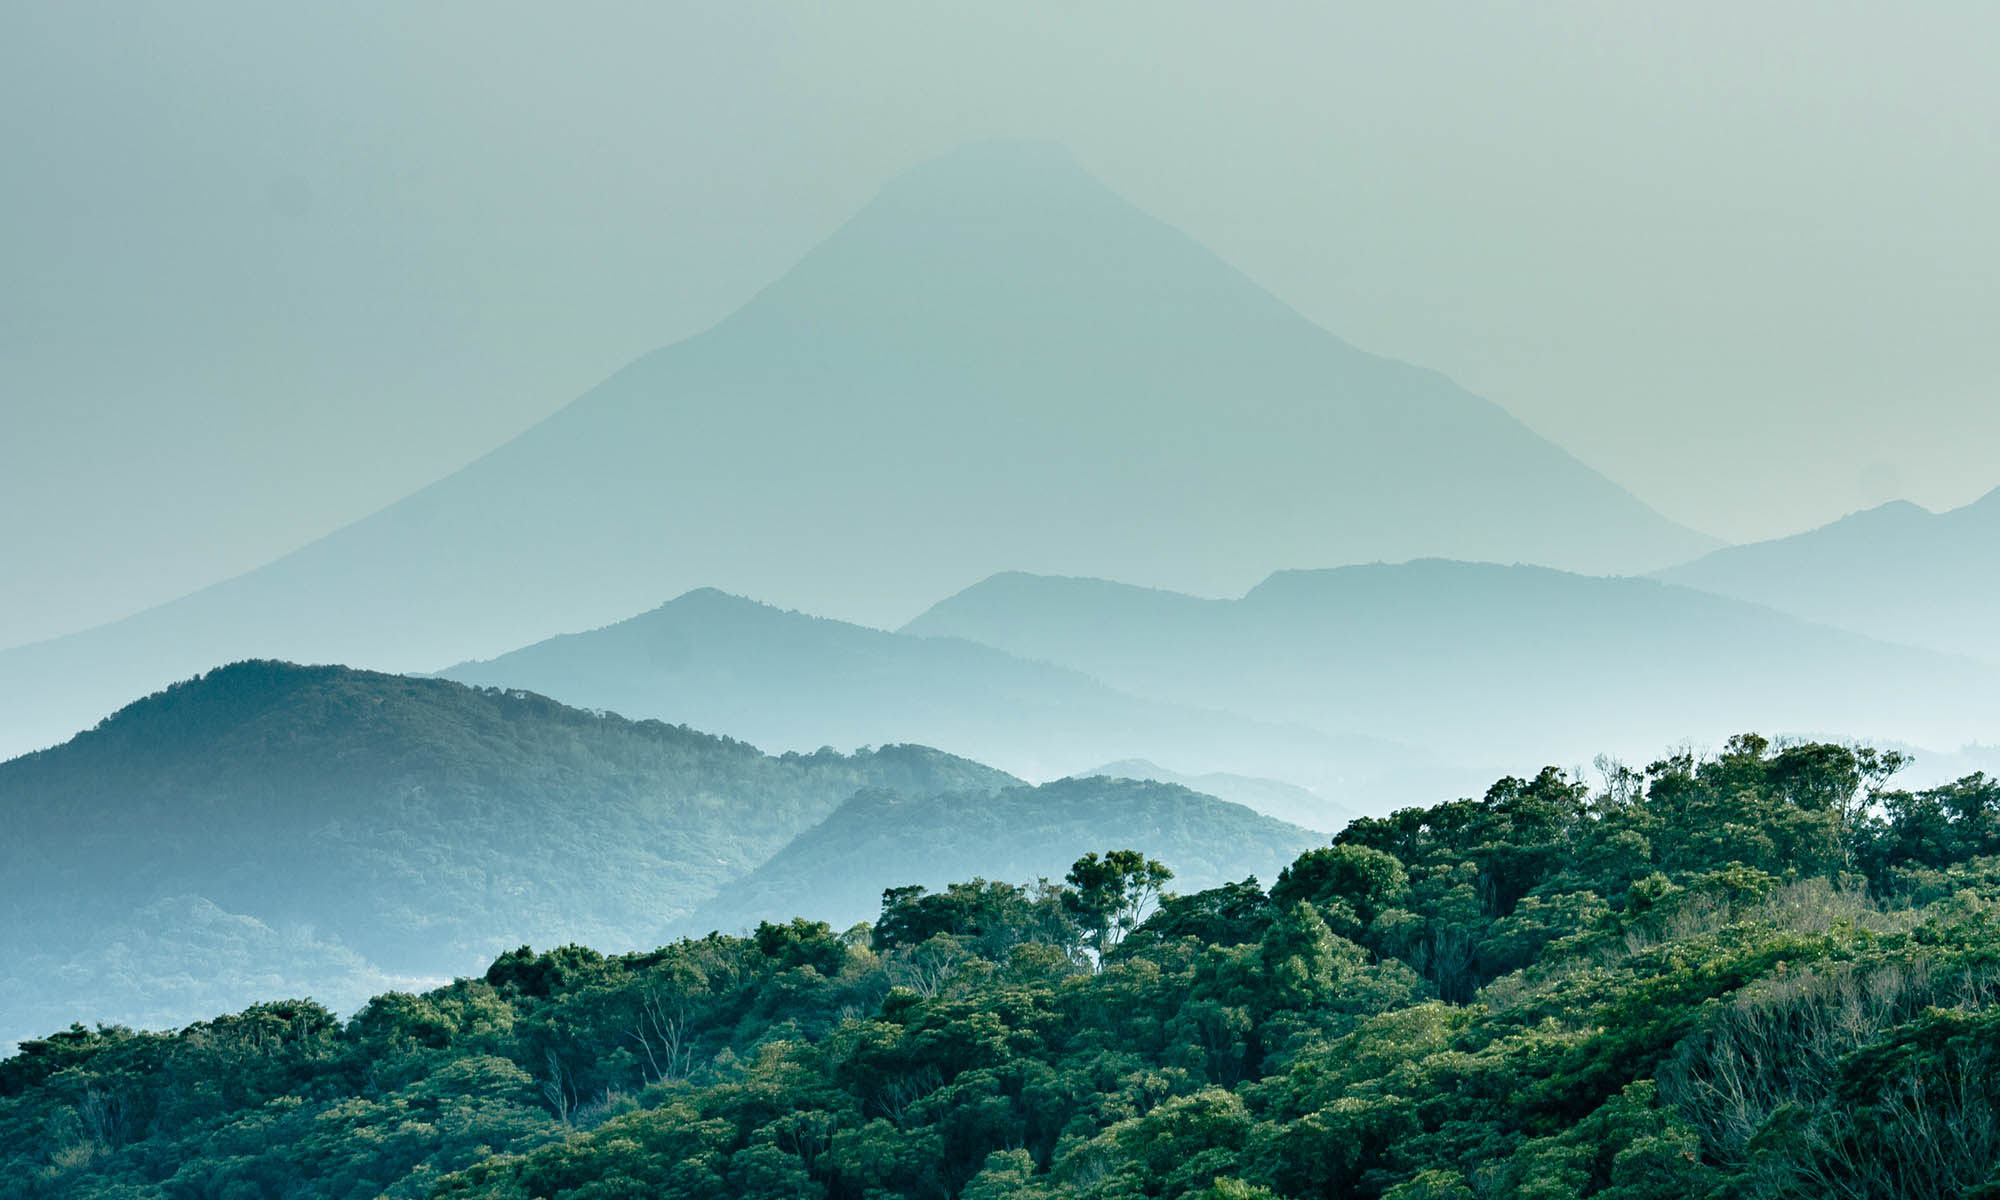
x=1500 y=662
x=331 y=827
x=996 y=364
x=1272 y=797
x=788 y=681
x=837 y=870
x=1897 y=572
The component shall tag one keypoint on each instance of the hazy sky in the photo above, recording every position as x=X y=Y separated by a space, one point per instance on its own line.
x=266 y=270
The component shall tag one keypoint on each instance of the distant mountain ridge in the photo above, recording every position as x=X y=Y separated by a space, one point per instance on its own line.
x=789 y=681
x=1495 y=661
x=1272 y=797
x=837 y=870
x=1897 y=572
x=336 y=827
x=998 y=363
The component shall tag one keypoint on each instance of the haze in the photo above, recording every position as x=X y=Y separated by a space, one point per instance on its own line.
x=270 y=270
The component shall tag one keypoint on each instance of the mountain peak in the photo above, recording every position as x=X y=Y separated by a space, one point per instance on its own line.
x=1003 y=249
x=1893 y=510
x=989 y=163
x=1988 y=503
x=713 y=600
x=998 y=362
x=998 y=180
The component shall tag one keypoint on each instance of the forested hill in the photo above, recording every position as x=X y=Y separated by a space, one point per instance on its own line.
x=837 y=870
x=1760 y=975
x=415 y=825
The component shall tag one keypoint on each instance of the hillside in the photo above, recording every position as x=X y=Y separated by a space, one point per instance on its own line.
x=837 y=870
x=328 y=825
x=957 y=381
x=788 y=681
x=1272 y=797
x=1478 y=656
x=1757 y=975
x=1897 y=572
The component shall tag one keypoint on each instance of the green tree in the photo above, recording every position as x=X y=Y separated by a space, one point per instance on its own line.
x=1112 y=894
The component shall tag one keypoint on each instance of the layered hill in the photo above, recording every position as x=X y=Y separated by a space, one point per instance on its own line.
x=1500 y=662
x=788 y=681
x=333 y=828
x=1272 y=797
x=998 y=364
x=837 y=870
x=1897 y=572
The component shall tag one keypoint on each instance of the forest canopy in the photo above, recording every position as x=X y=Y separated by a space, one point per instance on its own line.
x=1762 y=973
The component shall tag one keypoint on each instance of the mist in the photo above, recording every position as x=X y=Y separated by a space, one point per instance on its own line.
x=270 y=271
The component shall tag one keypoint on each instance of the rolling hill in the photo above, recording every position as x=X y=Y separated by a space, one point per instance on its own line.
x=788 y=681
x=1272 y=797
x=1897 y=572
x=1500 y=662
x=997 y=364
x=837 y=870
x=330 y=829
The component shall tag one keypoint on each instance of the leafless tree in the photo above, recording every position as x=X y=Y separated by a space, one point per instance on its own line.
x=559 y=1088
x=661 y=1030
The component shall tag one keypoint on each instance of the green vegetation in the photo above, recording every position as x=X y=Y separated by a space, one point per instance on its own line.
x=339 y=831
x=1763 y=974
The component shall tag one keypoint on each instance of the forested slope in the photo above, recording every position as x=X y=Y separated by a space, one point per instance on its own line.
x=269 y=825
x=1763 y=974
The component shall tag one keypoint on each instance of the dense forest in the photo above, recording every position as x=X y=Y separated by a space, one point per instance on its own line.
x=1763 y=973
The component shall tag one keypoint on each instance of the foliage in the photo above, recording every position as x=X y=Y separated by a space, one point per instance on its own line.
x=1761 y=974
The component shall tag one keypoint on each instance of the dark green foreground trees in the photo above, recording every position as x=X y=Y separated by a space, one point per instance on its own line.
x=1759 y=974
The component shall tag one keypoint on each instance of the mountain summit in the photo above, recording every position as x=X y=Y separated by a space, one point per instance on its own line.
x=1489 y=660
x=1897 y=571
x=997 y=364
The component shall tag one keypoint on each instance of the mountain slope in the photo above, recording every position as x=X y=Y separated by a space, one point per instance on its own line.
x=1897 y=572
x=1272 y=797
x=1503 y=662
x=788 y=681
x=837 y=870
x=388 y=823
x=997 y=364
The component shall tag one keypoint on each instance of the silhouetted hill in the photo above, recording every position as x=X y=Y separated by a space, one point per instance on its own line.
x=333 y=825
x=788 y=681
x=837 y=870
x=1897 y=572
x=998 y=363
x=1479 y=656
x=1272 y=797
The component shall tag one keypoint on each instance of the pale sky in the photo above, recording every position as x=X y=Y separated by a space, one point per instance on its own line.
x=267 y=270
